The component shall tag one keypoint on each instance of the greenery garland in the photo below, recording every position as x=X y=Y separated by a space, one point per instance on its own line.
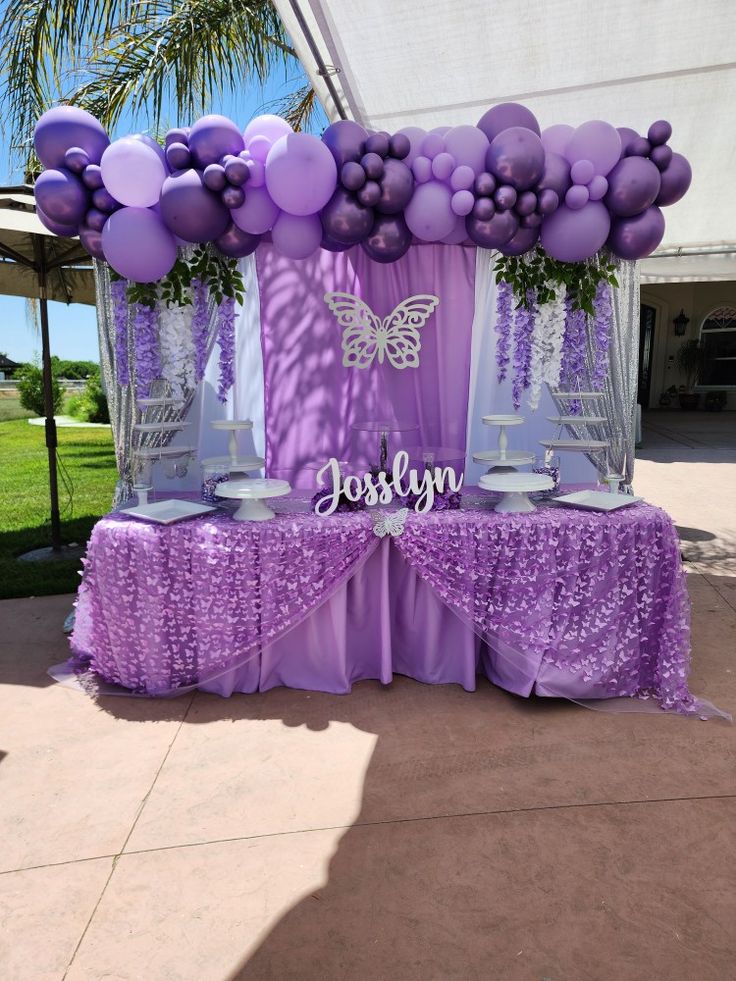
x=217 y=272
x=536 y=277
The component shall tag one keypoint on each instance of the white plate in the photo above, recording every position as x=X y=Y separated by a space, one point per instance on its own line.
x=514 y=483
x=597 y=500
x=574 y=445
x=167 y=512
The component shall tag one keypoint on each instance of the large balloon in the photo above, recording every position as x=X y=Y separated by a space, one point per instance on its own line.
x=57 y=227
x=138 y=246
x=345 y=140
x=133 y=172
x=598 y=142
x=258 y=213
x=269 y=126
x=212 y=137
x=91 y=239
x=390 y=238
x=516 y=157
x=397 y=185
x=637 y=237
x=495 y=232
x=415 y=135
x=633 y=185
x=556 y=175
x=525 y=239
x=297 y=236
x=301 y=173
x=236 y=243
x=555 y=138
x=61 y=196
x=345 y=220
x=64 y=127
x=330 y=245
x=675 y=180
x=504 y=116
x=190 y=211
x=571 y=236
x=628 y=138
x=468 y=145
x=429 y=214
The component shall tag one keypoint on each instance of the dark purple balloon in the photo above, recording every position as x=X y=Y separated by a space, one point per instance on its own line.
x=330 y=245
x=190 y=210
x=633 y=185
x=76 y=159
x=628 y=136
x=104 y=201
x=547 y=201
x=92 y=177
x=178 y=156
x=659 y=132
x=214 y=176
x=556 y=175
x=506 y=115
x=484 y=184
x=640 y=147
x=345 y=140
x=524 y=240
x=495 y=232
x=516 y=156
x=91 y=239
x=531 y=221
x=236 y=171
x=177 y=135
x=389 y=239
x=505 y=197
x=399 y=146
x=57 y=227
x=352 y=176
x=61 y=196
x=675 y=180
x=378 y=143
x=212 y=137
x=64 y=127
x=637 y=237
x=370 y=194
x=397 y=185
x=345 y=220
x=233 y=197
x=236 y=243
x=526 y=203
x=372 y=164
x=483 y=209
x=95 y=219
x=661 y=156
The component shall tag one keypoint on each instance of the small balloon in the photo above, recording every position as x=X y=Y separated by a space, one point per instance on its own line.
x=526 y=203
x=422 y=169
x=462 y=178
x=370 y=194
x=233 y=197
x=178 y=156
x=352 y=176
x=389 y=240
x=91 y=239
x=236 y=172
x=531 y=221
x=399 y=146
x=92 y=177
x=548 y=201
x=505 y=116
x=495 y=232
x=176 y=135
x=258 y=213
x=372 y=164
x=485 y=184
x=675 y=181
x=415 y=136
x=259 y=148
x=462 y=203
x=640 y=147
x=582 y=172
x=661 y=156
x=269 y=125
x=104 y=201
x=214 y=177
x=236 y=243
x=378 y=143
x=76 y=159
x=484 y=209
x=577 y=197
x=95 y=219
x=468 y=146
x=443 y=166
x=212 y=137
x=505 y=197
x=659 y=132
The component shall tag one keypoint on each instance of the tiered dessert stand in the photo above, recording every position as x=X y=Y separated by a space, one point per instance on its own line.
x=234 y=462
x=157 y=430
x=580 y=424
x=252 y=493
x=503 y=460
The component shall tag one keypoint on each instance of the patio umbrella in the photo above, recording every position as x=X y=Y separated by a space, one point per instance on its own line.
x=37 y=264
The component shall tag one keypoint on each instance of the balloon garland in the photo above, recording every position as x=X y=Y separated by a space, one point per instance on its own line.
x=502 y=184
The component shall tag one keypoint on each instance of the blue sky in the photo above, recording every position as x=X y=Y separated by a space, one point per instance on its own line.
x=73 y=328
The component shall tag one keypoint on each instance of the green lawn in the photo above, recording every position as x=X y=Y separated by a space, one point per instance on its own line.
x=89 y=459
x=10 y=408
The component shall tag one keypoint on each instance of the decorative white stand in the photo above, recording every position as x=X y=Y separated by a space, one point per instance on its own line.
x=251 y=493
x=503 y=460
x=514 y=487
x=233 y=426
x=237 y=464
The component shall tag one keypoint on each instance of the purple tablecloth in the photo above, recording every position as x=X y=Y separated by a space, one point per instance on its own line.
x=561 y=602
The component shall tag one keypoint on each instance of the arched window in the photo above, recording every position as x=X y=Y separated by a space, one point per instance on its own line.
x=718 y=337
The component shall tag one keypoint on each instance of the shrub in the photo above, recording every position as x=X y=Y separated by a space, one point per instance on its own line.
x=30 y=388
x=91 y=405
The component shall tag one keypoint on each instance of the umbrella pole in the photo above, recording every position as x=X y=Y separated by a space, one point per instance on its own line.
x=48 y=400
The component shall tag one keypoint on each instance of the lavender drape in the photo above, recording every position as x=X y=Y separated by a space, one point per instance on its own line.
x=311 y=400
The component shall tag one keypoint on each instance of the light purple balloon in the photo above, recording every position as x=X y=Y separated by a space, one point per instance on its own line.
x=598 y=142
x=555 y=138
x=91 y=239
x=675 y=180
x=258 y=213
x=259 y=148
x=462 y=203
x=443 y=166
x=659 y=132
x=138 y=246
x=390 y=238
x=76 y=159
x=297 y=236
x=628 y=136
x=133 y=172
x=548 y=201
x=516 y=157
x=429 y=214
x=505 y=197
x=301 y=174
x=64 y=127
x=432 y=145
x=462 y=178
x=178 y=156
x=268 y=125
x=598 y=187
x=440 y=130
x=212 y=137
x=661 y=156
x=257 y=173
x=526 y=203
x=236 y=243
x=556 y=174
x=92 y=177
x=369 y=194
x=484 y=209
x=151 y=144
x=102 y=199
x=459 y=233
x=577 y=197
x=505 y=116
x=57 y=227
x=345 y=140
x=495 y=232
x=214 y=176
x=61 y=196
x=524 y=240
x=415 y=135
x=572 y=236
x=468 y=145
x=233 y=197
x=637 y=237
x=582 y=172
x=422 y=169
x=397 y=186
x=190 y=210
x=633 y=185
x=345 y=220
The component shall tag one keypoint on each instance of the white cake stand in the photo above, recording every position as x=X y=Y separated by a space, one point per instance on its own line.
x=233 y=426
x=236 y=464
x=514 y=487
x=507 y=463
x=251 y=494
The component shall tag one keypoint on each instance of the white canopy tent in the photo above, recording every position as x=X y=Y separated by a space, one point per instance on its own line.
x=396 y=63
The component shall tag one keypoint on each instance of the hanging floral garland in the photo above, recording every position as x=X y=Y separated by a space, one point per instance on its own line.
x=177 y=348
x=601 y=336
x=549 y=328
x=504 y=315
x=523 y=332
x=226 y=340
x=147 y=352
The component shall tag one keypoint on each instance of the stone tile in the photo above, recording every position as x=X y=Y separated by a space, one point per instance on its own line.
x=43 y=913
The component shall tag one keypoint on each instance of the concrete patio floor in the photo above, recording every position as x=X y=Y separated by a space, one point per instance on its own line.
x=411 y=833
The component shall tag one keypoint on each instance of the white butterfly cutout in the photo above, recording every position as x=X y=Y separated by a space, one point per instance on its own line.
x=366 y=336
x=389 y=522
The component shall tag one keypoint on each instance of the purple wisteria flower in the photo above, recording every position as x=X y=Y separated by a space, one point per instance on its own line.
x=523 y=333
x=147 y=353
x=504 y=297
x=118 y=291
x=226 y=340
x=200 y=328
x=602 y=323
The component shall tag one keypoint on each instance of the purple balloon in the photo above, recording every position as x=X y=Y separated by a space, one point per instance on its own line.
x=468 y=146
x=661 y=157
x=443 y=166
x=372 y=164
x=57 y=227
x=257 y=172
x=495 y=232
x=64 y=127
x=233 y=197
x=345 y=140
x=104 y=201
x=459 y=233
x=236 y=243
x=640 y=147
x=352 y=176
x=484 y=209
x=95 y=219
x=485 y=184
x=178 y=156
x=190 y=210
x=330 y=245
x=176 y=135
x=463 y=178
x=633 y=185
x=429 y=214
x=628 y=136
x=399 y=146
x=397 y=186
x=259 y=147
x=422 y=169
x=531 y=221
x=598 y=187
x=267 y=125
x=675 y=180
x=555 y=138
x=556 y=175
x=214 y=176
x=258 y=213
x=524 y=240
x=151 y=144
x=138 y=246
x=133 y=172
x=577 y=197
x=91 y=239
x=659 y=132
x=390 y=238
x=92 y=177
x=236 y=172
x=516 y=156
x=505 y=197
x=582 y=172
x=548 y=201
x=345 y=220
x=598 y=142
x=212 y=137
x=526 y=203
x=297 y=236
x=301 y=174
x=415 y=136
x=505 y=116
x=571 y=236
x=76 y=159
x=433 y=144
x=462 y=203
x=370 y=194
x=637 y=237
x=61 y=196
x=378 y=143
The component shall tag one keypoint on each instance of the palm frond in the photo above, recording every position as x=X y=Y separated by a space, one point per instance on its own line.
x=298 y=108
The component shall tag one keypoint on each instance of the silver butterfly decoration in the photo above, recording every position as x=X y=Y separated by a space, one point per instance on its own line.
x=389 y=522
x=367 y=337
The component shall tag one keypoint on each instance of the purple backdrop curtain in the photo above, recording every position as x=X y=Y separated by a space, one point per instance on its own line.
x=311 y=400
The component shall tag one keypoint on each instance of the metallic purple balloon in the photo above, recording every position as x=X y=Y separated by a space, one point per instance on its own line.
x=505 y=197
x=389 y=239
x=212 y=137
x=378 y=143
x=190 y=210
x=95 y=219
x=64 y=127
x=495 y=232
x=633 y=185
x=330 y=245
x=675 y=181
x=236 y=171
x=236 y=243
x=61 y=196
x=637 y=237
x=556 y=175
x=485 y=184
x=352 y=176
x=399 y=146
x=57 y=227
x=531 y=221
x=484 y=209
x=572 y=236
x=640 y=147
x=104 y=201
x=345 y=140
x=176 y=135
x=233 y=197
x=214 y=176
x=526 y=203
x=397 y=185
x=91 y=239
x=178 y=156
x=659 y=132
x=76 y=159
x=628 y=136
x=92 y=177
x=345 y=220
x=370 y=194
x=547 y=201
x=524 y=240
x=506 y=115
x=661 y=157
x=516 y=156
x=372 y=164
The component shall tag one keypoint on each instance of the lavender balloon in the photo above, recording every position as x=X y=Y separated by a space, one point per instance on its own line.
x=61 y=196
x=258 y=213
x=572 y=236
x=598 y=187
x=212 y=137
x=598 y=142
x=637 y=237
x=462 y=178
x=432 y=145
x=577 y=197
x=259 y=148
x=397 y=186
x=301 y=174
x=505 y=116
x=495 y=232
x=556 y=138
x=675 y=180
x=345 y=140
x=633 y=185
x=64 y=127
x=236 y=243
x=345 y=220
x=267 y=125
x=390 y=238
x=422 y=169
x=190 y=210
x=429 y=214
x=582 y=172
x=468 y=146
x=133 y=172
x=297 y=236
x=138 y=246
x=516 y=156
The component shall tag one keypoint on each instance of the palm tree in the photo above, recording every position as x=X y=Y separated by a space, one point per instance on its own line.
x=108 y=56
